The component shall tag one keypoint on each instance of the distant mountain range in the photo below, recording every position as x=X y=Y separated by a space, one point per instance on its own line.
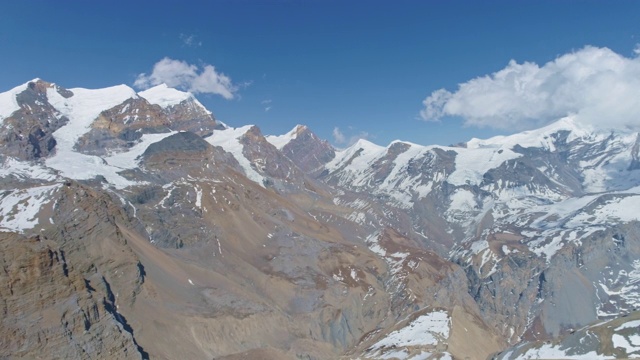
x=135 y=225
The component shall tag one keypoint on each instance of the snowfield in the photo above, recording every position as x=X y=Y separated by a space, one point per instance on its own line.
x=425 y=331
x=229 y=140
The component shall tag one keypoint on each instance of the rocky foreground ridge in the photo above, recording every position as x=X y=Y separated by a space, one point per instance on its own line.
x=134 y=225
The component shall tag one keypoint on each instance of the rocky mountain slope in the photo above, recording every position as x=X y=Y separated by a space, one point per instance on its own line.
x=132 y=217
x=612 y=339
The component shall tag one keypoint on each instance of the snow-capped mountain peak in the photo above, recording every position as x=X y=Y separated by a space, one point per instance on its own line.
x=83 y=108
x=280 y=141
x=164 y=95
x=9 y=103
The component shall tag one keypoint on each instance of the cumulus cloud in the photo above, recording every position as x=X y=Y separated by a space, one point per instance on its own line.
x=182 y=75
x=597 y=85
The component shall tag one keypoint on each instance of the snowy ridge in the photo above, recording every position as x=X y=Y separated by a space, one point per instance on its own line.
x=352 y=167
x=365 y=151
x=8 y=102
x=229 y=140
x=82 y=109
x=538 y=138
x=280 y=141
x=539 y=203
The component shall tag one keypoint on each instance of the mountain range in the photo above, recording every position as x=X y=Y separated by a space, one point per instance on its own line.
x=136 y=225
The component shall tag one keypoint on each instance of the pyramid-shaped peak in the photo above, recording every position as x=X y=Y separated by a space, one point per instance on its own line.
x=280 y=141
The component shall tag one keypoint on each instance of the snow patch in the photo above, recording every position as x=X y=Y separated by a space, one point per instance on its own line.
x=635 y=324
x=551 y=351
x=26 y=170
x=19 y=209
x=229 y=140
x=630 y=344
x=426 y=330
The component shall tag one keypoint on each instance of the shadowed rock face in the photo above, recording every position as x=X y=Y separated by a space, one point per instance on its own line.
x=281 y=172
x=120 y=127
x=180 y=142
x=307 y=151
x=26 y=134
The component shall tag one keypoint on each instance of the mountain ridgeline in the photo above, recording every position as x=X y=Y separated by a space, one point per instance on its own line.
x=127 y=217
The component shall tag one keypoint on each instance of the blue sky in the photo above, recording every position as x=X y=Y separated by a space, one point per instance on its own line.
x=361 y=67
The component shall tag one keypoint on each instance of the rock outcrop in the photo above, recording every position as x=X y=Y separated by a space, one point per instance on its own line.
x=27 y=133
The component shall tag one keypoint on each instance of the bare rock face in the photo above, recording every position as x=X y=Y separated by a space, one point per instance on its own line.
x=422 y=284
x=268 y=160
x=190 y=115
x=120 y=127
x=58 y=287
x=26 y=134
x=186 y=144
x=308 y=151
x=616 y=339
x=50 y=308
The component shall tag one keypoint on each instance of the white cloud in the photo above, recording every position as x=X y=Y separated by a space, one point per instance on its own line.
x=338 y=136
x=361 y=135
x=341 y=139
x=182 y=75
x=267 y=105
x=190 y=40
x=597 y=85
